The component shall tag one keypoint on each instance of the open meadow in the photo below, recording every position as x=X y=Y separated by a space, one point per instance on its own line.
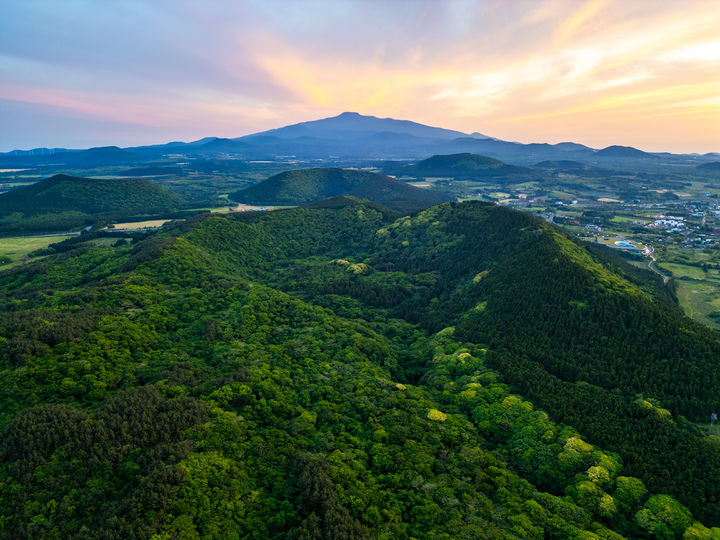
x=13 y=250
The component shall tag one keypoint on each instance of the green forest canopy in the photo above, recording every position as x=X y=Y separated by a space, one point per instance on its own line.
x=64 y=202
x=338 y=372
x=311 y=185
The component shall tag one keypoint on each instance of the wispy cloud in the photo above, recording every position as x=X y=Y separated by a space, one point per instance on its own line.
x=592 y=71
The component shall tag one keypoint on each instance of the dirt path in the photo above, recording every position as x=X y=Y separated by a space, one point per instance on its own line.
x=652 y=267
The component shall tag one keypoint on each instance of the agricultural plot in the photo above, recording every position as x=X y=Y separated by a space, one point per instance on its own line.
x=697 y=276
x=13 y=250
x=700 y=300
x=149 y=224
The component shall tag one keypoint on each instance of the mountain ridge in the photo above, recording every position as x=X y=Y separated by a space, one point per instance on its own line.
x=341 y=372
x=353 y=135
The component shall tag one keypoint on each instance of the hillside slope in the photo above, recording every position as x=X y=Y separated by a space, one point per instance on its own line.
x=311 y=185
x=351 y=125
x=623 y=152
x=571 y=332
x=337 y=372
x=711 y=166
x=463 y=165
x=63 y=201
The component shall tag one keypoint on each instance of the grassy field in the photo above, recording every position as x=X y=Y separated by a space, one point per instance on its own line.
x=420 y=184
x=699 y=299
x=625 y=219
x=680 y=271
x=141 y=224
x=698 y=291
x=17 y=248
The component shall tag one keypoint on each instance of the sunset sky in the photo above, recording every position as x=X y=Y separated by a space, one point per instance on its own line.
x=88 y=73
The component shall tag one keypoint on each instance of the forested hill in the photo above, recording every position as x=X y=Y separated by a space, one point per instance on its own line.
x=339 y=372
x=463 y=165
x=311 y=185
x=63 y=201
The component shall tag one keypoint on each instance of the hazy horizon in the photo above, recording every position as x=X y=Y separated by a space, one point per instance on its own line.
x=598 y=72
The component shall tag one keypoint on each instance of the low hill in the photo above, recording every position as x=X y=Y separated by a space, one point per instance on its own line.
x=572 y=147
x=623 y=152
x=311 y=185
x=221 y=146
x=711 y=166
x=463 y=165
x=560 y=164
x=99 y=156
x=61 y=201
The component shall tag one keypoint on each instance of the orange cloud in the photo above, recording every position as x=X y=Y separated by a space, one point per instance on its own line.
x=592 y=70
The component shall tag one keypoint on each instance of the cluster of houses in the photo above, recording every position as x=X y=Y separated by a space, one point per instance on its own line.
x=672 y=223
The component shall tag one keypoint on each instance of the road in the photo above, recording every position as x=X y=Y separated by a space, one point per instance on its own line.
x=655 y=269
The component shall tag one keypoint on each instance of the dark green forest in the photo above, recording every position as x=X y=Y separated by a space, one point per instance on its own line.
x=462 y=165
x=339 y=371
x=64 y=202
x=312 y=185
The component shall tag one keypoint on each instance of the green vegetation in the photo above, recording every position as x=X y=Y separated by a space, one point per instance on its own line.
x=711 y=166
x=461 y=166
x=342 y=372
x=13 y=250
x=455 y=163
x=311 y=185
x=63 y=202
x=697 y=277
x=150 y=171
x=151 y=223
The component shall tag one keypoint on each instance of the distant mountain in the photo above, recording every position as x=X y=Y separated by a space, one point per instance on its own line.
x=221 y=146
x=348 y=136
x=711 y=166
x=518 y=153
x=38 y=152
x=311 y=185
x=92 y=157
x=63 y=201
x=560 y=164
x=572 y=147
x=99 y=156
x=623 y=152
x=351 y=125
x=463 y=165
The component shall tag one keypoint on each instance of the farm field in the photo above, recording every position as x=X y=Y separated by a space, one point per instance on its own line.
x=700 y=300
x=15 y=249
x=698 y=288
x=133 y=225
x=685 y=271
